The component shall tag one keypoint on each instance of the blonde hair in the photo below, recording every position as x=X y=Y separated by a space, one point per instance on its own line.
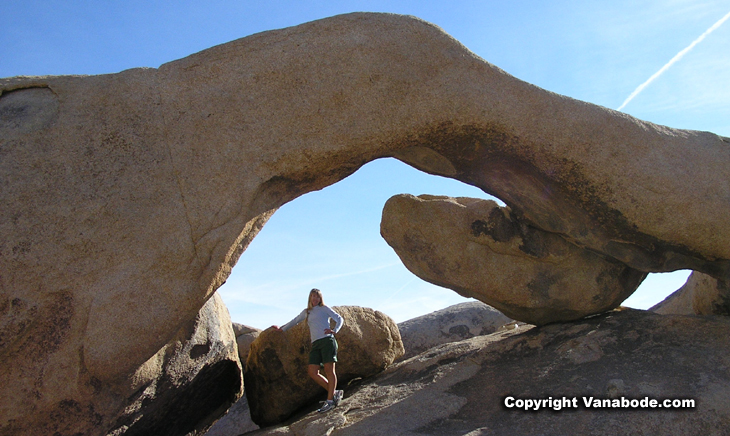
x=309 y=299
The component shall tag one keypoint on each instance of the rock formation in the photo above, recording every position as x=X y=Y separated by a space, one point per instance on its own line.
x=276 y=377
x=127 y=198
x=453 y=324
x=700 y=295
x=460 y=388
x=183 y=388
x=189 y=383
x=485 y=251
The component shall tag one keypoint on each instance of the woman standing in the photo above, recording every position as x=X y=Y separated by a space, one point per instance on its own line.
x=324 y=345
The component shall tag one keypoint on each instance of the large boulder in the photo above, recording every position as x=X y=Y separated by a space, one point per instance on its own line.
x=183 y=388
x=127 y=198
x=700 y=295
x=487 y=252
x=623 y=357
x=276 y=377
x=452 y=324
x=190 y=382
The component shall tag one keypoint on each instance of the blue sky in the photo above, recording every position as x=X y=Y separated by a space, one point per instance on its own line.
x=595 y=51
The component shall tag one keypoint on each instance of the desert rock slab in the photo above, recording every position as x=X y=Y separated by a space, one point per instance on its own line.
x=485 y=251
x=235 y=422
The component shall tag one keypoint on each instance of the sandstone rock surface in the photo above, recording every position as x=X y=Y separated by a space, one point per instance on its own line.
x=700 y=295
x=485 y=251
x=276 y=377
x=459 y=388
x=127 y=198
x=452 y=324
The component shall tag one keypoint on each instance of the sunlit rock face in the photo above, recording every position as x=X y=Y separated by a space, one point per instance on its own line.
x=189 y=383
x=127 y=198
x=700 y=295
x=485 y=251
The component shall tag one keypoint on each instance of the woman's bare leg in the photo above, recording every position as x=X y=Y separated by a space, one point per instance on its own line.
x=313 y=371
x=329 y=369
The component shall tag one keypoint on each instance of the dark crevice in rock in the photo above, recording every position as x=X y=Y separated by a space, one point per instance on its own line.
x=178 y=411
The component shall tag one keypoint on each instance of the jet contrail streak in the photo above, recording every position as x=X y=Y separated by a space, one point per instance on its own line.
x=677 y=57
x=400 y=289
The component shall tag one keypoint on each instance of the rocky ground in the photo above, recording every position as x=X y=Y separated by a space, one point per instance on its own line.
x=452 y=324
x=459 y=388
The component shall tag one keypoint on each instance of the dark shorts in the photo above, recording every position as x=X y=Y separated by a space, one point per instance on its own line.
x=323 y=351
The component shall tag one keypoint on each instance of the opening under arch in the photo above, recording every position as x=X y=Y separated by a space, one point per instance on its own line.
x=330 y=239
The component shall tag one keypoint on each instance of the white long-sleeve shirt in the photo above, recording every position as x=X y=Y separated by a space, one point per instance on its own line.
x=318 y=320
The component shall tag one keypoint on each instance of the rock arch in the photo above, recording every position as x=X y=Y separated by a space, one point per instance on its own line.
x=128 y=199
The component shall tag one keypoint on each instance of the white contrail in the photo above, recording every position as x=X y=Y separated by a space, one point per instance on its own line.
x=396 y=292
x=281 y=286
x=677 y=57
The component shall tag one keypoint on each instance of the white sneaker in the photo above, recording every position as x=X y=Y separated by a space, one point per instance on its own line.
x=338 y=397
x=328 y=405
